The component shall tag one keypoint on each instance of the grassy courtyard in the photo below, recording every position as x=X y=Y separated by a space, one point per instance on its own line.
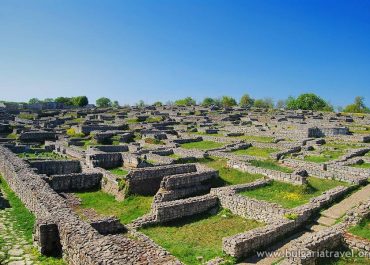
x=228 y=176
x=289 y=195
x=201 y=236
x=362 y=229
x=41 y=155
x=363 y=165
x=202 y=145
x=118 y=171
x=324 y=156
x=270 y=164
x=255 y=138
x=256 y=151
x=128 y=210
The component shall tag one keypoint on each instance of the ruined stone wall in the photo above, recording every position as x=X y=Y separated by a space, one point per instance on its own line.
x=104 y=160
x=273 y=174
x=171 y=210
x=55 y=167
x=37 y=136
x=75 y=182
x=146 y=181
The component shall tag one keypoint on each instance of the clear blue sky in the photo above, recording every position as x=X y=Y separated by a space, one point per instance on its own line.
x=168 y=49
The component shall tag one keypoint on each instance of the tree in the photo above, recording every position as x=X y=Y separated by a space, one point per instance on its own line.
x=115 y=104
x=80 y=101
x=103 y=102
x=357 y=107
x=141 y=104
x=208 y=102
x=158 y=104
x=308 y=101
x=48 y=100
x=34 y=101
x=227 y=101
x=281 y=104
x=188 y=101
x=64 y=100
x=266 y=103
x=246 y=101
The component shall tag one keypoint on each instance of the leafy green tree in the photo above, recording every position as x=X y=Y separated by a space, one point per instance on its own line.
x=357 y=107
x=266 y=103
x=227 y=101
x=208 y=102
x=246 y=101
x=64 y=100
x=103 y=102
x=115 y=104
x=80 y=101
x=158 y=104
x=308 y=101
x=188 y=101
x=34 y=101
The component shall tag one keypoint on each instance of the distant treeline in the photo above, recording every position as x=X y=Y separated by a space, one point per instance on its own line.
x=306 y=101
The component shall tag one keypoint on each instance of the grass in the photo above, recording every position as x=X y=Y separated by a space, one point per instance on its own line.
x=362 y=229
x=202 y=145
x=153 y=141
x=269 y=164
x=261 y=139
x=118 y=171
x=324 y=156
x=256 y=151
x=41 y=155
x=174 y=156
x=24 y=223
x=228 y=176
x=289 y=195
x=12 y=136
x=201 y=236
x=128 y=210
x=363 y=165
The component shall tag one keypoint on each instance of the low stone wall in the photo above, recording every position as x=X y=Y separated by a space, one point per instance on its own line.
x=167 y=211
x=75 y=182
x=37 y=136
x=146 y=181
x=357 y=243
x=108 y=225
x=104 y=160
x=72 y=151
x=321 y=171
x=56 y=167
x=273 y=174
x=109 y=184
x=110 y=148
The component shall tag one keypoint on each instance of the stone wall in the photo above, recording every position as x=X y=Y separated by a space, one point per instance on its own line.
x=56 y=167
x=171 y=210
x=37 y=136
x=273 y=174
x=146 y=181
x=104 y=160
x=75 y=182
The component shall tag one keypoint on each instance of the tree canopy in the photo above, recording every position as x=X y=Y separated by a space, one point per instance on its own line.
x=188 y=101
x=246 y=101
x=357 y=107
x=227 y=101
x=308 y=101
x=103 y=102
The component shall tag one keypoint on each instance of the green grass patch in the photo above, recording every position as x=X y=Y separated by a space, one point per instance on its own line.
x=174 y=156
x=256 y=151
x=128 y=210
x=269 y=164
x=12 y=136
x=289 y=195
x=324 y=156
x=41 y=155
x=153 y=141
x=228 y=176
x=362 y=229
x=202 y=145
x=118 y=171
x=255 y=138
x=199 y=236
x=363 y=165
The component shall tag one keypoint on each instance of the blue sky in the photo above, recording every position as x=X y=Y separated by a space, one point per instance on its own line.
x=169 y=49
